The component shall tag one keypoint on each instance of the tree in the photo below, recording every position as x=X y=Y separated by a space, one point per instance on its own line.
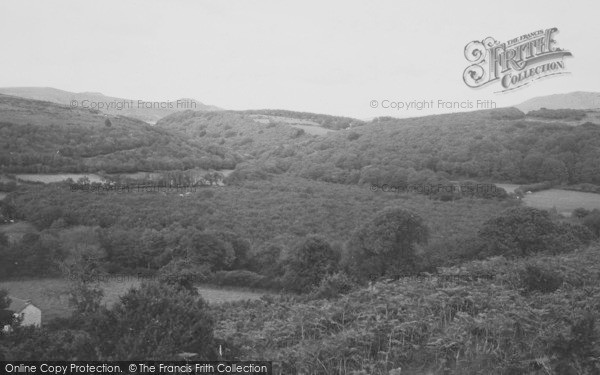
x=6 y=316
x=553 y=170
x=386 y=246
x=267 y=261
x=531 y=166
x=592 y=221
x=181 y=273
x=520 y=231
x=85 y=297
x=310 y=261
x=155 y=322
x=241 y=248
x=208 y=248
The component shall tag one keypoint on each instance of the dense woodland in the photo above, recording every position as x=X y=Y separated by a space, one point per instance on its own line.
x=41 y=137
x=495 y=145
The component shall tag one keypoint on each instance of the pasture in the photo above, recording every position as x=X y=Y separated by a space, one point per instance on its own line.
x=15 y=231
x=51 y=295
x=564 y=201
x=58 y=177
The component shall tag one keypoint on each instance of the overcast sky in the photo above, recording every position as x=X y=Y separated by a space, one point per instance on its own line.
x=320 y=56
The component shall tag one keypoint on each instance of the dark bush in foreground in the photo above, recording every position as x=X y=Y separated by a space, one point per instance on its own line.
x=334 y=285
x=536 y=278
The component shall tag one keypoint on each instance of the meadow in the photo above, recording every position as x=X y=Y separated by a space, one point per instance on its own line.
x=58 y=177
x=564 y=201
x=51 y=295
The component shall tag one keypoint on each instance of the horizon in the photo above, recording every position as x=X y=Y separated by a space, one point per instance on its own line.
x=515 y=105
x=287 y=56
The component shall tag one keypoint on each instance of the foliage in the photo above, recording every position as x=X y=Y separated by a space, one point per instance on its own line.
x=332 y=286
x=42 y=137
x=385 y=246
x=522 y=231
x=309 y=262
x=558 y=114
x=447 y=323
x=592 y=221
x=6 y=316
x=155 y=322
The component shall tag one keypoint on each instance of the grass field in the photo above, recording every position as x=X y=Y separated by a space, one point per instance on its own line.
x=311 y=129
x=565 y=201
x=49 y=178
x=15 y=231
x=51 y=295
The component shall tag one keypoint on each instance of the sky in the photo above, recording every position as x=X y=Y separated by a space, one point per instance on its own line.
x=333 y=57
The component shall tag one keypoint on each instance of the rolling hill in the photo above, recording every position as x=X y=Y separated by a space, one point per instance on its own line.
x=149 y=112
x=573 y=100
x=43 y=137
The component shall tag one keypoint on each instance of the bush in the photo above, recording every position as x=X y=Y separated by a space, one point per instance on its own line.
x=310 y=261
x=520 y=231
x=540 y=279
x=386 y=246
x=334 y=285
x=580 y=212
x=353 y=136
x=592 y=221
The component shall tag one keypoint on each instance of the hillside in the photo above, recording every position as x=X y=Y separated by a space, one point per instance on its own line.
x=496 y=316
x=42 y=137
x=495 y=145
x=498 y=145
x=305 y=118
x=239 y=132
x=147 y=112
x=573 y=100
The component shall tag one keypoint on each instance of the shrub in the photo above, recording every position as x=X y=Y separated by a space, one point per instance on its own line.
x=581 y=212
x=386 y=246
x=353 y=136
x=155 y=322
x=519 y=231
x=334 y=285
x=592 y=221
x=310 y=261
x=540 y=279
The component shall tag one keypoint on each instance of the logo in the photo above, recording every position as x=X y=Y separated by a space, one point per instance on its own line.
x=515 y=63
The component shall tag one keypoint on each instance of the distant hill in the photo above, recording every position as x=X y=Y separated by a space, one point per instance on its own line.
x=304 y=118
x=573 y=100
x=43 y=137
x=149 y=112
